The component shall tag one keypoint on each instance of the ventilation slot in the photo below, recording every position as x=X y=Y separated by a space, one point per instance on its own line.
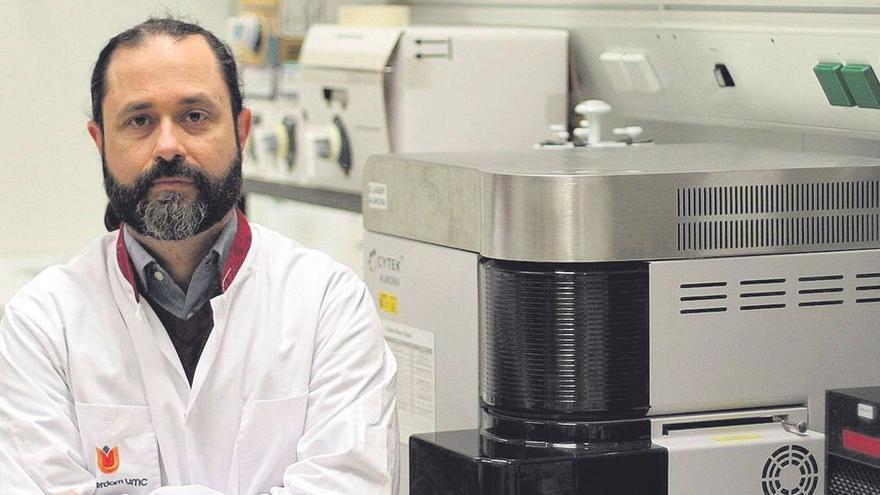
x=703 y=284
x=760 y=297
x=763 y=281
x=703 y=297
x=818 y=289
x=778 y=232
x=820 y=278
x=778 y=215
x=772 y=293
x=790 y=470
x=834 y=302
x=777 y=198
x=703 y=310
x=761 y=306
x=763 y=294
x=869 y=293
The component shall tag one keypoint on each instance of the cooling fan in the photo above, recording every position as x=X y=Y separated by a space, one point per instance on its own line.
x=790 y=470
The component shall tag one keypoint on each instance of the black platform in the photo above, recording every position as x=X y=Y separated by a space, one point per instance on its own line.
x=466 y=463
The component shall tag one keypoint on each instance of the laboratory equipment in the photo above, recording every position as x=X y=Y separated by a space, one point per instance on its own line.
x=276 y=149
x=369 y=90
x=246 y=36
x=853 y=441
x=642 y=319
x=589 y=131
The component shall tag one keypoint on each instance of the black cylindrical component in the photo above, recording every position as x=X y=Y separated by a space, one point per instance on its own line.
x=564 y=341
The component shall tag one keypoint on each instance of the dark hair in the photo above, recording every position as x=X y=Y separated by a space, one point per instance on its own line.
x=163 y=27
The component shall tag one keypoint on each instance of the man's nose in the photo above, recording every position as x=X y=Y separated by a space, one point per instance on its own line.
x=168 y=144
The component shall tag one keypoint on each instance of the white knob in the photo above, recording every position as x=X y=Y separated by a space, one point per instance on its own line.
x=588 y=107
x=593 y=110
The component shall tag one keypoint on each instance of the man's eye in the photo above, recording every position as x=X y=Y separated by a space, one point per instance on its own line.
x=196 y=117
x=139 y=121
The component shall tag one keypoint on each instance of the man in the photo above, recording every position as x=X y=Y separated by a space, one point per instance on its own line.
x=190 y=352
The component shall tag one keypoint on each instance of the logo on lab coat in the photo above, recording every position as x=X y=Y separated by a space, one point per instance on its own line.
x=108 y=459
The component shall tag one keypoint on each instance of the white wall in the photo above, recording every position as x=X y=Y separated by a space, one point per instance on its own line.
x=51 y=198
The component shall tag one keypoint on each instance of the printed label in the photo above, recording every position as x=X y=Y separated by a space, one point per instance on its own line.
x=414 y=350
x=388 y=302
x=377 y=195
x=866 y=411
x=737 y=438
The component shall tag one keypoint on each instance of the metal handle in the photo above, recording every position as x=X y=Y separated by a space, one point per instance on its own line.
x=800 y=427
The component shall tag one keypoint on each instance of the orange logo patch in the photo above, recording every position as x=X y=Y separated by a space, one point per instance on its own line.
x=108 y=460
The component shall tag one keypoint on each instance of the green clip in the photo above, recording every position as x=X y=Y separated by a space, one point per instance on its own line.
x=862 y=84
x=831 y=78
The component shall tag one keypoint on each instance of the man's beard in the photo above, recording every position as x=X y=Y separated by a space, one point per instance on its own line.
x=169 y=216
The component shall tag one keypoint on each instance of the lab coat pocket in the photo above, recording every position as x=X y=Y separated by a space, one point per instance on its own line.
x=270 y=431
x=120 y=448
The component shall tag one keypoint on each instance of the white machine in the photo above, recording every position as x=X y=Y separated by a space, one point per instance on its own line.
x=657 y=319
x=275 y=150
x=370 y=90
x=365 y=90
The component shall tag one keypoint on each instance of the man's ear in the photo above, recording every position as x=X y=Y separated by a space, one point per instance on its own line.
x=244 y=127
x=97 y=135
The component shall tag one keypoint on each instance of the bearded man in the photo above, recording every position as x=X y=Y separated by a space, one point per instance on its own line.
x=190 y=351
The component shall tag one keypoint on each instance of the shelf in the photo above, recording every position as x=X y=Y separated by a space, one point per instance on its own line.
x=323 y=197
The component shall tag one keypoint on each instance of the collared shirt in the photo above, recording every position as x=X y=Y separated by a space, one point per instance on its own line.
x=158 y=285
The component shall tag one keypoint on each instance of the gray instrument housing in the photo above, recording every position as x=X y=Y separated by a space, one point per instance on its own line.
x=635 y=203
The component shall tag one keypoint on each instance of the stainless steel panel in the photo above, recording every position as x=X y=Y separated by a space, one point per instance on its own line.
x=439 y=203
x=643 y=202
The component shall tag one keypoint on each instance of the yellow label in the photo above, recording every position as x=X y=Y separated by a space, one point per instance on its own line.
x=388 y=302
x=737 y=438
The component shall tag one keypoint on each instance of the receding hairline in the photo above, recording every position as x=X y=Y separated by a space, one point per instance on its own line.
x=152 y=37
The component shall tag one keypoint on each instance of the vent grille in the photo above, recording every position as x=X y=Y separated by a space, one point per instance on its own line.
x=697 y=293
x=870 y=291
x=769 y=293
x=790 y=470
x=778 y=215
x=778 y=232
x=778 y=198
x=847 y=477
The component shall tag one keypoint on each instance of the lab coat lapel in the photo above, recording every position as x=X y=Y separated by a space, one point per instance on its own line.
x=156 y=329
x=160 y=369
x=232 y=276
x=211 y=350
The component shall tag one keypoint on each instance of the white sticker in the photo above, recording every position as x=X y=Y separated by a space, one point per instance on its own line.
x=378 y=195
x=866 y=411
x=414 y=350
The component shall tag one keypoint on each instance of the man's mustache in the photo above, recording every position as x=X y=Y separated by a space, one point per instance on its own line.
x=176 y=167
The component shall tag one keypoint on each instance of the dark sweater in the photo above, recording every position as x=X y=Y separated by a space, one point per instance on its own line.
x=188 y=336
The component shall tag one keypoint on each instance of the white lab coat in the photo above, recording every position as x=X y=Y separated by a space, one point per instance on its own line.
x=294 y=391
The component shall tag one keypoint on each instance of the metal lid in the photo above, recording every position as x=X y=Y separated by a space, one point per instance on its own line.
x=637 y=202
